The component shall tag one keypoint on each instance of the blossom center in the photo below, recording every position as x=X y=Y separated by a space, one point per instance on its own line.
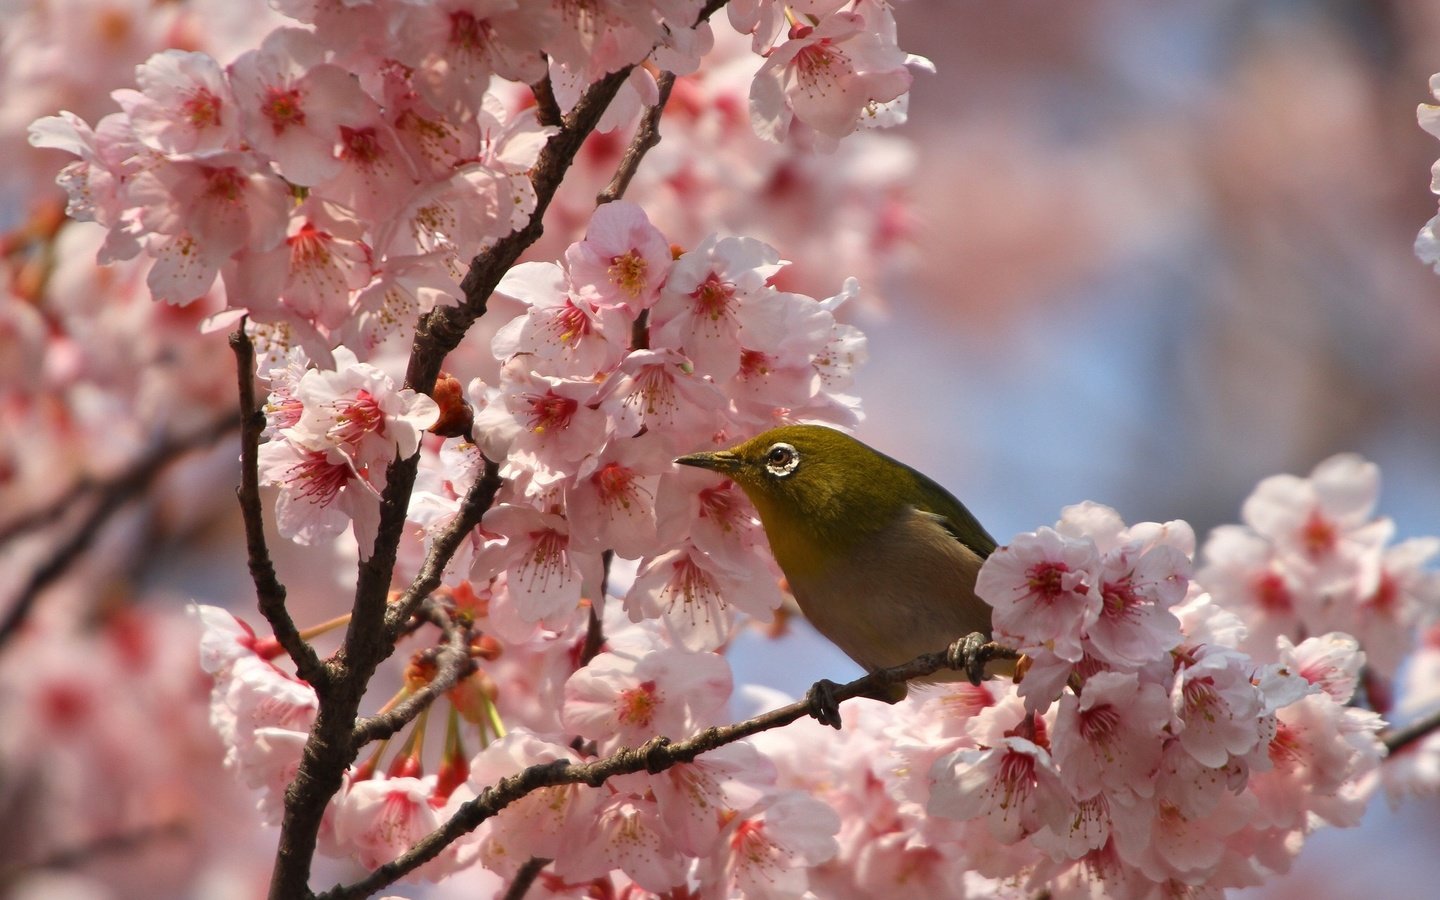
x=202 y=108
x=550 y=410
x=283 y=108
x=637 y=705
x=627 y=272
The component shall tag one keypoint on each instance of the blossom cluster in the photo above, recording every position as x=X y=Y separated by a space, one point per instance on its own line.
x=622 y=356
x=722 y=820
x=1142 y=753
x=338 y=177
x=1312 y=557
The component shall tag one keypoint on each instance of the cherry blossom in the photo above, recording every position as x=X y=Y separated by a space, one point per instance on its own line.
x=665 y=692
x=1044 y=593
x=828 y=74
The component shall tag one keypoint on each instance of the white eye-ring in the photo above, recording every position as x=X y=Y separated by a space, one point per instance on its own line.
x=781 y=460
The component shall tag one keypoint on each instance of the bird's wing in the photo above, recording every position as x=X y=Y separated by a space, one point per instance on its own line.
x=951 y=514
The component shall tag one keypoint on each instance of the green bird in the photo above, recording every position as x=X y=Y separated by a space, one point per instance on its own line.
x=881 y=559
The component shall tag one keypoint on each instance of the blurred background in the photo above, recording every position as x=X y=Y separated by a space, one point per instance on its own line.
x=1154 y=252
x=1164 y=250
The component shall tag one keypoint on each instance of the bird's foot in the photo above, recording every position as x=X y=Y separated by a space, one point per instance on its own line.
x=823 y=705
x=970 y=654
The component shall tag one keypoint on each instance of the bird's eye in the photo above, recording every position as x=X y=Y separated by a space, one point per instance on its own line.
x=781 y=460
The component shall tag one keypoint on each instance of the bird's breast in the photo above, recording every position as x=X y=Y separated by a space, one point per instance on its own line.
x=907 y=589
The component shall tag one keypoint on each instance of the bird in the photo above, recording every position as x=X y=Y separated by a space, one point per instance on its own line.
x=881 y=559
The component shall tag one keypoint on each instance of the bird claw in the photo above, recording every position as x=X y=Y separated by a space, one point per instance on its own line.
x=823 y=705
x=969 y=654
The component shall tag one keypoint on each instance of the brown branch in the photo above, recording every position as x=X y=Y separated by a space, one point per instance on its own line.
x=114 y=494
x=269 y=592
x=547 y=109
x=647 y=135
x=56 y=508
x=525 y=878
x=125 y=842
x=1397 y=739
x=477 y=500
x=452 y=663
x=330 y=747
x=656 y=755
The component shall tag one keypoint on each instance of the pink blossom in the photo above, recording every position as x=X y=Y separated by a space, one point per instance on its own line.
x=320 y=494
x=538 y=824
x=461 y=43
x=1216 y=706
x=1322 y=524
x=1111 y=736
x=356 y=410
x=765 y=852
x=564 y=334
x=545 y=572
x=1013 y=786
x=1318 y=754
x=109 y=155
x=1138 y=585
x=618 y=699
x=613 y=507
x=1043 y=589
x=292 y=104
x=1331 y=662
x=1244 y=574
x=1406 y=593
x=200 y=212
x=698 y=312
x=265 y=717
x=695 y=799
x=377 y=819
x=827 y=75
x=184 y=105
x=695 y=594
x=659 y=391
x=623 y=260
x=624 y=833
x=314 y=272
x=553 y=418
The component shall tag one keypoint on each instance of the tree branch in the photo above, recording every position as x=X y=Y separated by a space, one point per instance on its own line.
x=452 y=663
x=525 y=878
x=113 y=495
x=477 y=500
x=656 y=755
x=1397 y=739
x=269 y=592
x=330 y=748
x=647 y=135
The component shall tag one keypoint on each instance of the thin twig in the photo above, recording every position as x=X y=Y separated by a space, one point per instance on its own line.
x=57 y=507
x=547 y=110
x=269 y=592
x=452 y=663
x=127 y=842
x=525 y=878
x=656 y=755
x=113 y=495
x=647 y=135
x=329 y=750
x=1396 y=739
x=477 y=500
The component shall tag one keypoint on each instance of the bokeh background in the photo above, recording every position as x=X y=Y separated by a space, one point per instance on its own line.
x=1155 y=252
x=1164 y=250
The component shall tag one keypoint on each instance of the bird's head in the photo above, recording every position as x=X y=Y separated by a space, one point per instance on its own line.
x=817 y=490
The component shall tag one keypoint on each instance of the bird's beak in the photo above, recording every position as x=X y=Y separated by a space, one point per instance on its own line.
x=722 y=461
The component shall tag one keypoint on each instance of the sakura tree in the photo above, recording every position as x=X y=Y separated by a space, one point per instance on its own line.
x=475 y=306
